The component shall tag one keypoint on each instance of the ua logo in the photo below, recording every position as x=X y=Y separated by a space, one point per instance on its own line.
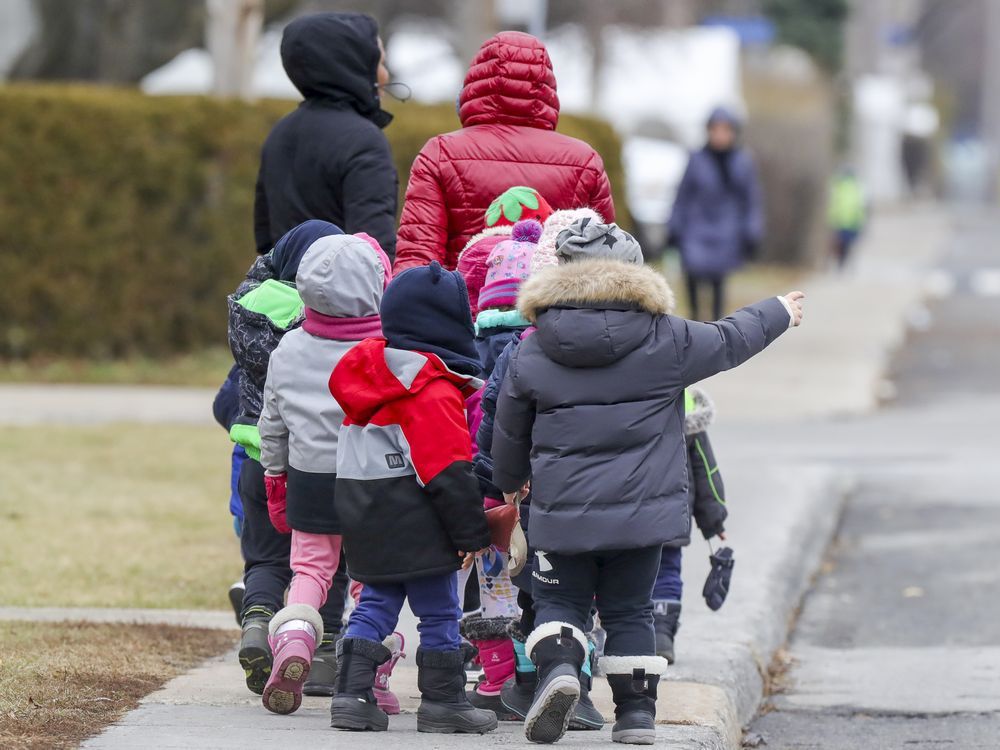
x=395 y=461
x=544 y=566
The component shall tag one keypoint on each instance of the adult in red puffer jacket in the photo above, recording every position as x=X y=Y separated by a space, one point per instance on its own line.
x=509 y=110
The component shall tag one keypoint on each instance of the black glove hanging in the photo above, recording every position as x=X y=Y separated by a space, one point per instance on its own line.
x=717 y=583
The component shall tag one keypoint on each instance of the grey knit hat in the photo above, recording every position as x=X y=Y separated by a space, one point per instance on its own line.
x=586 y=239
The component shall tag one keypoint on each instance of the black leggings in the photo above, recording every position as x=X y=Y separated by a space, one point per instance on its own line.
x=565 y=588
x=717 y=284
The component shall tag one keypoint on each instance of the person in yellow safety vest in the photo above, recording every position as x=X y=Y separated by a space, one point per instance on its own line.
x=846 y=213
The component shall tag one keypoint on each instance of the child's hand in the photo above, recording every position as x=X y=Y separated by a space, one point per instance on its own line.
x=794 y=300
x=470 y=557
x=722 y=536
x=515 y=497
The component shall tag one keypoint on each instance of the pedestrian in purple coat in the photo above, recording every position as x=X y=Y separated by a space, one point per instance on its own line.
x=717 y=219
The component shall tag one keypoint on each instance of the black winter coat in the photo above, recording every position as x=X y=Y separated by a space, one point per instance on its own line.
x=706 y=493
x=592 y=407
x=329 y=159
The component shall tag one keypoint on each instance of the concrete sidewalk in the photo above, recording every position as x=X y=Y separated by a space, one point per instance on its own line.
x=34 y=404
x=713 y=690
x=784 y=512
x=835 y=365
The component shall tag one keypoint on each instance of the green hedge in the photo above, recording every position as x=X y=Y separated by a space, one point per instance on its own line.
x=126 y=219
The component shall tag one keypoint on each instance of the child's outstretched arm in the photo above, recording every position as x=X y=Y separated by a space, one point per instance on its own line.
x=705 y=349
x=512 y=433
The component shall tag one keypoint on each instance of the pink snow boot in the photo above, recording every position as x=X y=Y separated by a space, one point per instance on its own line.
x=294 y=633
x=497 y=656
x=387 y=699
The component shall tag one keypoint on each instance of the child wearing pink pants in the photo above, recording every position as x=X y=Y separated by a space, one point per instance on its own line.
x=341 y=279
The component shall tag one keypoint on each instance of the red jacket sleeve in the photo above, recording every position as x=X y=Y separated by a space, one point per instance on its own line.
x=600 y=191
x=423 y=228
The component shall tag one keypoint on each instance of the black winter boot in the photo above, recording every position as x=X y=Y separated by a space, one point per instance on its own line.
x=558 y=650
x=255 y=651
x=585 y=715
x=444 y=706
x=666 y=621
x=323 y=670
x=635 y=697
x=235 y=595
x=519 y=691
x=354 y=705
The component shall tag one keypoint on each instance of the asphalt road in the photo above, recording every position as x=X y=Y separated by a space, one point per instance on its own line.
x=898 y=643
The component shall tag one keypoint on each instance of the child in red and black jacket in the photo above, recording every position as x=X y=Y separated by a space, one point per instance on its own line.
x=409 y=505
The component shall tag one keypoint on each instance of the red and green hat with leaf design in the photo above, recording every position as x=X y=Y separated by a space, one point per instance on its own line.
x=517 y=204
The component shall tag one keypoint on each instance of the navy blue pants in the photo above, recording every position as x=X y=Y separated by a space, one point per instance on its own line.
x=668 y=581
x=266 y=571
x=433 y=599
x=620 y=582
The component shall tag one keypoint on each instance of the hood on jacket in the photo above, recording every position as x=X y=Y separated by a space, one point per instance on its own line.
x=594 y=312
x=593 y=283
x=335 y=56
x=373 y=374
x=510 y=82
x=426 y=309
x=288 y=251
x=726 y=115
x=699 y=411
x=342 y=276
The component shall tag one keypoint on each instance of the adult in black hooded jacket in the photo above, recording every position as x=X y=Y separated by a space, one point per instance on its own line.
x=329 y=158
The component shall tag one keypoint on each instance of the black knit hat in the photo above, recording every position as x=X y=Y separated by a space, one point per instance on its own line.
x=426 y=309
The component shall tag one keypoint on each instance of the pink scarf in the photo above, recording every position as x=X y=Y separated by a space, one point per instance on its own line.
x=341 y=329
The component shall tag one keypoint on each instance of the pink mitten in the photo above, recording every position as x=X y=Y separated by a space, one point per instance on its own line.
x=277 y=503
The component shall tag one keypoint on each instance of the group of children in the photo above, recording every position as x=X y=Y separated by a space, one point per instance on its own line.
x=383 y=419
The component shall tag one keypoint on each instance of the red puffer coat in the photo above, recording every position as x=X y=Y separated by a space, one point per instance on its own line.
x=509 y=110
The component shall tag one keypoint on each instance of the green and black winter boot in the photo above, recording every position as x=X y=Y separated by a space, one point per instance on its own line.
x=255 y=651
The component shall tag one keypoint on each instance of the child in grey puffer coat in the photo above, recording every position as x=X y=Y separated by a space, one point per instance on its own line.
x=591 y=413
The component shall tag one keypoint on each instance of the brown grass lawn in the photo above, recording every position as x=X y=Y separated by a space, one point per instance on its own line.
x=57 y=686
x=116 y=516
x=205 y=368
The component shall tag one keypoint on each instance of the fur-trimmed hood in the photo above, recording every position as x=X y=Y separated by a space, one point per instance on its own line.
x=593 y=284
x=594 y=312
x=700 y=412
